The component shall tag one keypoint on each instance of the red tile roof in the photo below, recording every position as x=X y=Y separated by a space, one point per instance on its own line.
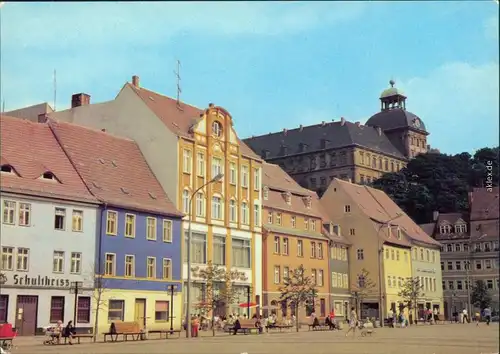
x=276 y=178
x=113 y=168
x=379 y=207
x=179 y=118
x=485 y=204
x=31 y=150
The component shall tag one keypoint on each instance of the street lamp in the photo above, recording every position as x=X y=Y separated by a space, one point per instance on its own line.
x=76 y=286
x=172 y=288
x=217 y=178
x=380 y=260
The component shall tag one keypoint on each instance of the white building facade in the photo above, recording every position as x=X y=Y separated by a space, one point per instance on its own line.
x=46 y=245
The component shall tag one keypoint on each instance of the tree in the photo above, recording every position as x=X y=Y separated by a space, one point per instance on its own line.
x=362 y=288
x=411 y=291
x=100 y=287
x=439 y=182
x=480 y=295
x=298 y=290
x=219 y=288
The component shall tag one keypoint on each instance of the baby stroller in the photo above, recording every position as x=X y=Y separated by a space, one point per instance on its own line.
x=50 y=335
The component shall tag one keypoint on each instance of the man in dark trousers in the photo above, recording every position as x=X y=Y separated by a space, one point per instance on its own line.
x=236 y=326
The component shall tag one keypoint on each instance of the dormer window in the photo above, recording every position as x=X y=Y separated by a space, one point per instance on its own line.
x=49 y=176
x=265 y=193
x=460 y=228
x=308 y=202
x=445 y=229
x=7 y=169
x=288 y=197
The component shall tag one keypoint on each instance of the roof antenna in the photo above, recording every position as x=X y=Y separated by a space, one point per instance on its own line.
x=179 y=90
x=55 y=89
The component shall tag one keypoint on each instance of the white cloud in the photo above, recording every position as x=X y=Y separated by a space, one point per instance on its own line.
x=101 y=23
x=458 y=102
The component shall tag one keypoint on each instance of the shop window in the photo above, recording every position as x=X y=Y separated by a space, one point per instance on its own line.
x=161 y=311
x=116 y=310
x=4 y=305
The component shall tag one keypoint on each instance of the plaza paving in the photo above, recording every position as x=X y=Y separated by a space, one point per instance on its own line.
x=438 y=339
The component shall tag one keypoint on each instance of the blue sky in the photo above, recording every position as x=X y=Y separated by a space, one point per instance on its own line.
x=272 y=65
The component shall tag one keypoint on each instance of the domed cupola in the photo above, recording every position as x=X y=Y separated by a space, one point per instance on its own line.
x=392 y=98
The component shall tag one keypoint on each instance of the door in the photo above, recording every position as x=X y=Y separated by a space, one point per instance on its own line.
x=26 y=315
x=140 y=312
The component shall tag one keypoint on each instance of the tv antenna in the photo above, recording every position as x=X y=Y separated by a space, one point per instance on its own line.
x=55 y=89
x=177 y=74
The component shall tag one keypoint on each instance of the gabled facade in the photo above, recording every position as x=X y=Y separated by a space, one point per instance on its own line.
x=185 y=148
x=293 y=236
x=138 y=249
x=48 y=231
x=383 y=241
x=470 y=249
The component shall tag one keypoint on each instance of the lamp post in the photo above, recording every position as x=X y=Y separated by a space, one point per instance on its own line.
x=172 y=288
x=76 y=286
x=217 y=178
x=248 y=301
x=380 y=260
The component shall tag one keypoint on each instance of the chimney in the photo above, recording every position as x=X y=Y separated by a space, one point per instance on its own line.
x=135 y=81
x=435 y=215
x=323 y=124
x=342 y=121
x=265 y=154
x=379 y=131
x=301 y=128
x=211 y=105
x=285 y=131
x=80 y=99
x=358 y=124
x=324 y=143
x=42 y=118
x=471 y=199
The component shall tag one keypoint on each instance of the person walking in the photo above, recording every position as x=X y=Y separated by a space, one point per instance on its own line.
x=353 y=322
x=487 y=315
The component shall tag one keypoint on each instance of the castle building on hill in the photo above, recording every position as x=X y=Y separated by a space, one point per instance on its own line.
x=314 y=155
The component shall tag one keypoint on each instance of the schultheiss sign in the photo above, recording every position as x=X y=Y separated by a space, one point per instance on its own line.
x=42 y=281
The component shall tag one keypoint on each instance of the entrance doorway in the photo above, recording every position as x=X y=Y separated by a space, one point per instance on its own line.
x=26 y=315
x=140 y=312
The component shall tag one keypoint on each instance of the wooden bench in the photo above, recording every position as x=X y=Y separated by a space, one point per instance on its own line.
x=125 y=329
x=281 y=327
x=247 y=326
x=166 y=332
x=78 y=337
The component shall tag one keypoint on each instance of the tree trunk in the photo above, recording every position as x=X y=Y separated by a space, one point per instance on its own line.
x=97 y=310
x=297 y=317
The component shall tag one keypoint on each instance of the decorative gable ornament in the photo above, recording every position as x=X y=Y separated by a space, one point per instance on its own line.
x=307 y=201
x=288 y=197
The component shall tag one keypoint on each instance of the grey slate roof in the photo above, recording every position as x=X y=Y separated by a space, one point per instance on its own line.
x=338 y=136
x=395 y=118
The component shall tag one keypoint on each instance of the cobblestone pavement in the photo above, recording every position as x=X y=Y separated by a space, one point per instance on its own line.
x=438 y=339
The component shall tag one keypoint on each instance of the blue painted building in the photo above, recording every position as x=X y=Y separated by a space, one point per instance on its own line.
x=138 y=236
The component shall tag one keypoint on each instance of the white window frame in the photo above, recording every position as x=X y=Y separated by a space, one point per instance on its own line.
x=217 y=212
x=167 y=231
x=256 y=216
x=151 y=228
x=256 y=179
x=7 y=255
x=77 y=220
x=76 y=263
x=300 y=248
x=217 y=166
x=345 y=281
x=60 y=212
x=9 y=212
x=233 y=214
x=244 y=213
x=112 y=264
x=200 y=158
x=320 y=277
x=58 y=262
x=200 y=205
x=278 y=219
x=187 y=156
x=129 y=217
x=233 y=175
x=24 y=214
x=244 y=176
x=23 y=259
x=111 y=225
x=294 y=222
x=152 y=276
x=277 y=275
x=286 y=246
x=167 y=265
x=132 y=266
x=277 y=245
x=185 y=201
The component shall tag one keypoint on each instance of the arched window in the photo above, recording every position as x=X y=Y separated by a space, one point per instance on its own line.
x=217 y=129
